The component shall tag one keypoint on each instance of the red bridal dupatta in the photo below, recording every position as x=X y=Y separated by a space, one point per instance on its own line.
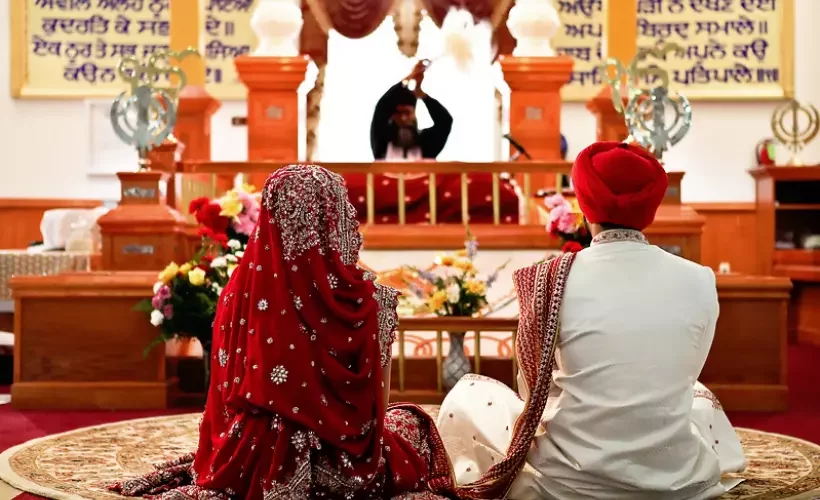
x=295 y=408
x=540 y=290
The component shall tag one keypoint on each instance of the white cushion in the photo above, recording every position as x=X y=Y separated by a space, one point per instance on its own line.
x=6 y=339
x=57 y=224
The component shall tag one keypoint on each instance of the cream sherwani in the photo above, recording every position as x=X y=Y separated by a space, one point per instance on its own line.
x=626 y=417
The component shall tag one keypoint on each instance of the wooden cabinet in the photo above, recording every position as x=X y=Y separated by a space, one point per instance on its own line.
x=788 y=214
x=79 y=344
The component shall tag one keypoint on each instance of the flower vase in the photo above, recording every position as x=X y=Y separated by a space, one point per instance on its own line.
x=456 y=364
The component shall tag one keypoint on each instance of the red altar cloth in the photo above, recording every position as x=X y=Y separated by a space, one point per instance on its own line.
x=448 y=199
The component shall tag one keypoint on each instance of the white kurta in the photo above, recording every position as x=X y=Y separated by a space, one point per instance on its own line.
x=626 y=418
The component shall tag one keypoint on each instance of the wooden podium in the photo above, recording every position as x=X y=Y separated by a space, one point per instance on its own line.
x=143 y=233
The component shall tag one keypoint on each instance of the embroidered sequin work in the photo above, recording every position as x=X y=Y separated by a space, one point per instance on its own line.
x=388 y=299
x=311 y=207
x=613 y=235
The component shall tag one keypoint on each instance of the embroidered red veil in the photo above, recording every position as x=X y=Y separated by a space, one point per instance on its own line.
x=301 y=335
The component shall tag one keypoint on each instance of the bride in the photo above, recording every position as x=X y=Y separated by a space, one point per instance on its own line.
x=297 y=406
x=610 y=344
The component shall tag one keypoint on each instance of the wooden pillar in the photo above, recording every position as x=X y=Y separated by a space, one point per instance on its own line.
x=535 y=106
x=143 y=233
x=195 y=106
x=621 y=33
x=184 y=33
x=273 y=107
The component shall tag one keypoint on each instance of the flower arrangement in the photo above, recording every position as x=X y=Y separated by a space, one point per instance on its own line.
x=185 y=296
x=566 y=222
x=451 y=287
x=231 y=217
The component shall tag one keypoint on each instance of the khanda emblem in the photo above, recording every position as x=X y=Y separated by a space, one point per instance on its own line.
x=646 y=109
x=145 y=115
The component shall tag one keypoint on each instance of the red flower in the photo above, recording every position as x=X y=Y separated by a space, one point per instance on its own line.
x=197 y=204
x=207 y=232
x=571 y=247
x=552 y=227
x=208 y=216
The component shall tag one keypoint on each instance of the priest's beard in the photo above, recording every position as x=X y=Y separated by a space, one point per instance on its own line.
x=405 y=137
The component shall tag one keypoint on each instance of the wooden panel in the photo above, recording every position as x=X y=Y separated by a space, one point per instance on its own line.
x=729 y=235
x=746 y=367
x=20 y=218
x=79 y=344
x=804 y=313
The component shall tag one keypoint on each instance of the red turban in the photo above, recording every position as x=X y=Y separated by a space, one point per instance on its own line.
x=619 y=184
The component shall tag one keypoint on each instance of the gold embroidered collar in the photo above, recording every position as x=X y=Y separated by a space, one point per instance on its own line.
x=613 y=235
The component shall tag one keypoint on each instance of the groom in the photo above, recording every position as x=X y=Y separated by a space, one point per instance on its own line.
x=626 y=418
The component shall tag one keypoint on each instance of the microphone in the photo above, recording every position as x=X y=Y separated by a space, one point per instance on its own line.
x=519 y=149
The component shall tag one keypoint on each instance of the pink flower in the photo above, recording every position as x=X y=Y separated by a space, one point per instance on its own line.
x=157 y=301
x=248 y=201
x=164 y=292
x=567 y=223
x=561 y=217
x=554 y=201
x=243 y=224
x=168 y=311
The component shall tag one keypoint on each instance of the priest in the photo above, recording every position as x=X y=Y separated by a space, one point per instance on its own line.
x=395 y=137
x=394 y=132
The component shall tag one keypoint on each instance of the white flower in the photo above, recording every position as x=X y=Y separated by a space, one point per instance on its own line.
x=230 y=271
x=453 y=293
x=156 y=317
x=216 y=288
x=157 y=286
x=279 y=375
x=230 y=258
x=234 y=244
x=219 y=262
x=262 y=305
x=240 y=254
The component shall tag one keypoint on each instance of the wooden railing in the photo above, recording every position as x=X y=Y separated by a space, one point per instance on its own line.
x=526 y=178
x=677 y=227
x=412 y=376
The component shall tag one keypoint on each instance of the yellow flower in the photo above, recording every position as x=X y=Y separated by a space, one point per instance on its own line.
x=476 y=287
x=231 y=267
x=464 y=264
x=184 y=268
x=437 y=300
x=169 y=273
x=231 y=205
x=248 y=188
x=196 y=277
x=461 y=253
x=445 y=260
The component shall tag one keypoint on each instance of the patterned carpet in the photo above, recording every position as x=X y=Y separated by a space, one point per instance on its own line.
x=79 y=464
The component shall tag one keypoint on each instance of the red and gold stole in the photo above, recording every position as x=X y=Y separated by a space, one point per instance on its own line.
x=540 y=290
